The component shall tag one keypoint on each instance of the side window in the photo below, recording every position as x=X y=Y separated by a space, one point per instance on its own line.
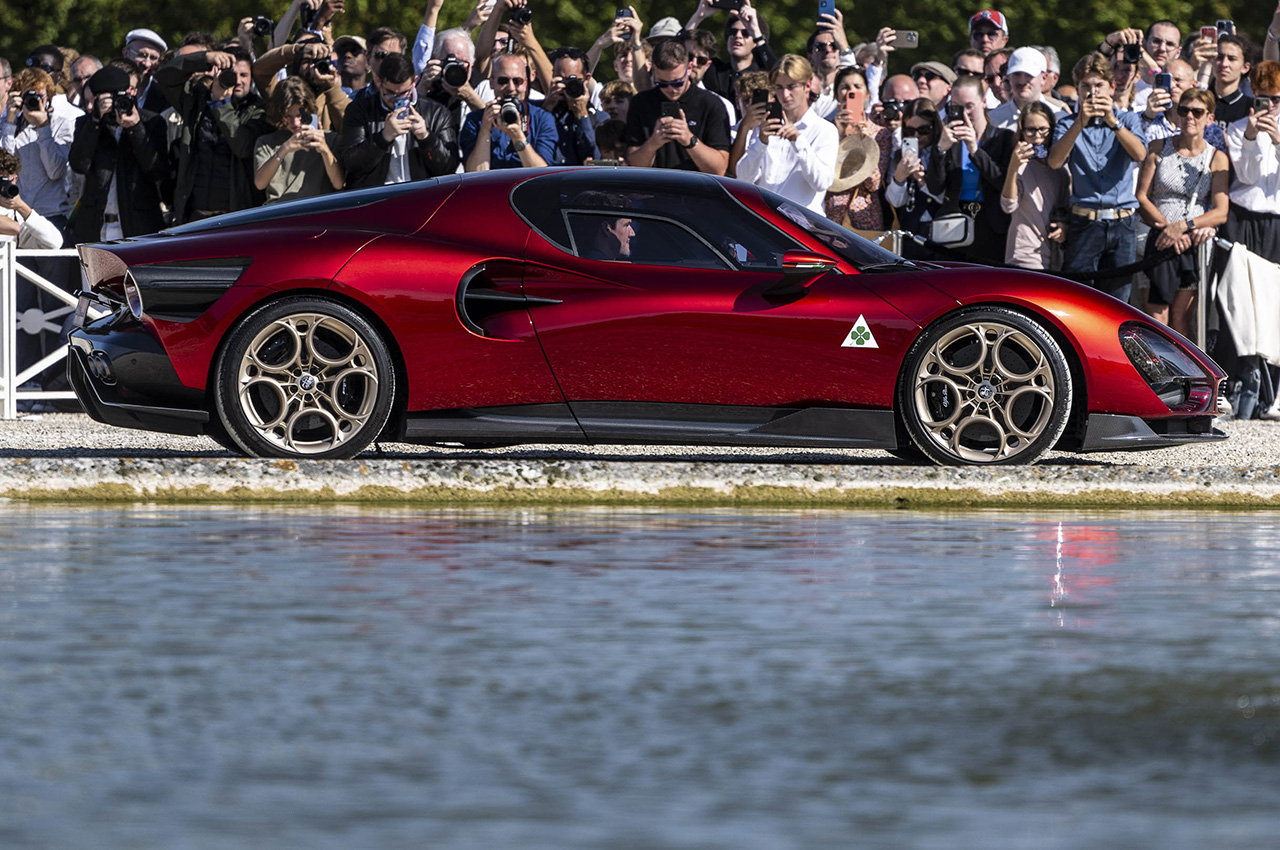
x=638 y=238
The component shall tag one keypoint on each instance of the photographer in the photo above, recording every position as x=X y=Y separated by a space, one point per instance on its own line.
x=746 y=38
x=968 y=170
x=221 y=120
x=387 y=139
x=310 y=60
x=1103 y=147
x=673 y=124
x=143 y=47
x=447 y=79
x=121 y=149
x=40 y=135
x=509 y=28
x=569 y=102
x=507 y=133
x=19 y=221
x=296 y=161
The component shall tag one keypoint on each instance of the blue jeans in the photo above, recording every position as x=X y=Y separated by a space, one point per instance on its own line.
x=1103 y=244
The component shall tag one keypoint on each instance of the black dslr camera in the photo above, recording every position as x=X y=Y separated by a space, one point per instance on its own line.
x=227 y=77
x=509 y=110
x=520 y=15
x=324 y=66
x=123 y=103
x=453 y=71
x=262 y=26
x=31 y=101
x=574 y=86
x=8 y=189
x=892 y=109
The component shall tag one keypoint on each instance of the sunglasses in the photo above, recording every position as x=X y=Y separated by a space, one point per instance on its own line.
x=48 y=69
x=351 y=50
x=965 y=72
x=738 y=31
x=908 y=131
x=929 y=76
x=671 y=84
x=511 y=81
x=991 y=78
x=381 y=54
x=700 y=60
x=984 y=34
x=826 y=46
x=1184 y=111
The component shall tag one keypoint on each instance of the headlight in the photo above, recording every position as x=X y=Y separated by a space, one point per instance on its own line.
x=1171 y=372
x=132 y=295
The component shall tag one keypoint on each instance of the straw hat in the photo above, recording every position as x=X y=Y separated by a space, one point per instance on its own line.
x=857 y=158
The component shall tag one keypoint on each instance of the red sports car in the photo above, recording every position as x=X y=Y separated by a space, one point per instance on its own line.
x=596 y=305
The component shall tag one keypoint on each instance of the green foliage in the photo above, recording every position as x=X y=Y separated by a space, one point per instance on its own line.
x=1073 y=26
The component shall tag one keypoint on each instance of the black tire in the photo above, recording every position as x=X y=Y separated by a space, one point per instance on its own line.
x=985 y=386
x=304 y=378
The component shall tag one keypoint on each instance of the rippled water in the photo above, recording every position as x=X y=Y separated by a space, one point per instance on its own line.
x=209 y=678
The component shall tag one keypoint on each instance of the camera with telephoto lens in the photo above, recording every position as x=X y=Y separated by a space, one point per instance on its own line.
x=324 y=66
x=262 y=26
x=521 y=15
x=31 y=101
x=574 y=86
x=892 y=109
x=453 y=71
x=227 y=77
x=8 y=189
x=509 y=110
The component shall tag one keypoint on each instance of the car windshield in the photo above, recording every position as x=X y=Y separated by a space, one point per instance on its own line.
x=845 y=243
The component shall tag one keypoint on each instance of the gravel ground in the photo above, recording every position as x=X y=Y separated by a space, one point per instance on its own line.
x=1252 y=444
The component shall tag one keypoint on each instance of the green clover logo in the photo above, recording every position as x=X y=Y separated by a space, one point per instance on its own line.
x=860 y=336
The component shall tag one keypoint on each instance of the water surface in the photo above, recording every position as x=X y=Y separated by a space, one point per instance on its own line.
x=631 y=678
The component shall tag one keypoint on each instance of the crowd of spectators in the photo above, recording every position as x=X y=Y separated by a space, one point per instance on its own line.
x=1164 y=136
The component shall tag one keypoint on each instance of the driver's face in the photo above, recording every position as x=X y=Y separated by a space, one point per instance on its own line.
x=622 y=231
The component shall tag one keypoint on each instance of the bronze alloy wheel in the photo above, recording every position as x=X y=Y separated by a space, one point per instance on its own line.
x=304 y=378
x=985 y=386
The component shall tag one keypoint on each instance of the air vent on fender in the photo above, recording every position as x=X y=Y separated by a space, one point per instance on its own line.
x=491 y=288
x=182 y=291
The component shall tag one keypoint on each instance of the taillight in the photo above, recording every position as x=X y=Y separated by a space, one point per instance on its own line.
x=1173 y=374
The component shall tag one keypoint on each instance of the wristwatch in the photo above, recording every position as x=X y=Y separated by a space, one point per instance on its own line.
x=518 y=146
x=1191 y=224
x=692 y=143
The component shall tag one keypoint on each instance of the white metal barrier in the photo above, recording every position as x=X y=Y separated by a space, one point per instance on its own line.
x=30 y=321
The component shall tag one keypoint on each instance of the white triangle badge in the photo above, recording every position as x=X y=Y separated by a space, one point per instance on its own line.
x=860 y=335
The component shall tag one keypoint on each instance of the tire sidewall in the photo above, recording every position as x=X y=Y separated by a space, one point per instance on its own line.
x=1059 y=365
x=226 y=381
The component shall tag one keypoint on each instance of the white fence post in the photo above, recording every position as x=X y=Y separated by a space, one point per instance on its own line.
x=13 y=374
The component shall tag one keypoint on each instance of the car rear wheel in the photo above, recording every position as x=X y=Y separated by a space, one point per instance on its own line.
x=985 y=386
x=304 y=378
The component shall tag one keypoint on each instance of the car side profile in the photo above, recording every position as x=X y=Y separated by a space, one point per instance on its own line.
x=598 y=305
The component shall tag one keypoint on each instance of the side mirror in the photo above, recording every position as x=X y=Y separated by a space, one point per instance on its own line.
x=806 y=262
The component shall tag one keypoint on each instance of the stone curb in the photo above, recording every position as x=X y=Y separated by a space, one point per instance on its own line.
x=576 y=482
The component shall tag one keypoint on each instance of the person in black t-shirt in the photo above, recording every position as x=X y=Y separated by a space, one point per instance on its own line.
x=1230 y=67
x=746 y=40
x=696 y=137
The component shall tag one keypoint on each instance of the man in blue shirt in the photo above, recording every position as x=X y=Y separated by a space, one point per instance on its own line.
x=488 y=140
x=1103 y=147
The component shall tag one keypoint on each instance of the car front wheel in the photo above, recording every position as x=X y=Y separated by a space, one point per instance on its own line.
x=985 y=386
x=304 y=378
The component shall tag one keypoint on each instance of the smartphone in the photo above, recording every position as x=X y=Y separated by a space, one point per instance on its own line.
x=1133 y=53
x=401 y=106
x=670 y=109
x=856 y=103
x=775 y=111
x=1261 y=104
x=731 y=5
x=907 y=40
x=1164 y=81
x=759 y=96
x=1210 y=33
x=826 y=7
x=619 y=15
x=911 y=143
x=1226 y=28
x=955 y=113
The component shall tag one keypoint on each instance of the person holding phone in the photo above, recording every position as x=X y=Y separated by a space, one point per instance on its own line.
x=1231 y=66
x=1033 y=192
x=746 y=39
x=297 y=160
x=865 y=148
x=907 y=190
x=1253 y=219
x=1182 y=195
x=793 y=152
x=968 y=171
x=1160 y=118
x=675 y=124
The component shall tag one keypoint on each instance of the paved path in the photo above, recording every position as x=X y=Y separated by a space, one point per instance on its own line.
x=70 y=457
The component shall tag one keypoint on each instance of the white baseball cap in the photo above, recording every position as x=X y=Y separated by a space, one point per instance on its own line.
x=146 y=35
x=1027 y=60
